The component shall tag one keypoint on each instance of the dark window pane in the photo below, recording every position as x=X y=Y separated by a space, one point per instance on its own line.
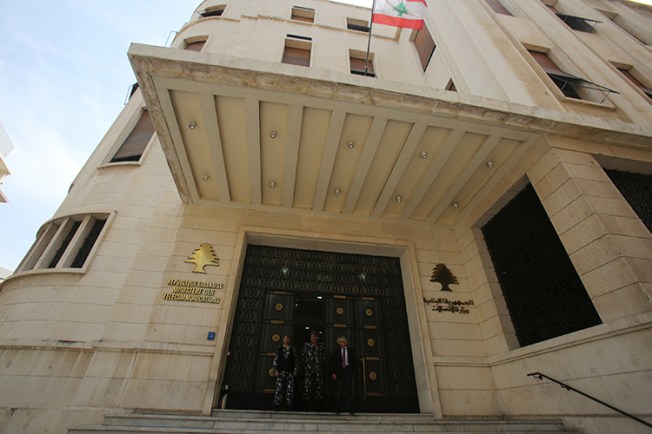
x=134 y=145
x=636 y=188
x=425 y=46
x=64 y=244
x=89 y=242
x=358 y=67
x=296 y=56
x=544 y=295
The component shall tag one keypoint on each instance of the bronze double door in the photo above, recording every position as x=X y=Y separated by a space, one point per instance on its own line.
x=290 y=292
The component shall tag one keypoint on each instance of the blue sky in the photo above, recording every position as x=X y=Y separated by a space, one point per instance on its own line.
x=64 y=75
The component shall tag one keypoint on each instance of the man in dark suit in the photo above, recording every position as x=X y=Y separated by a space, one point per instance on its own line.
x=344 y=364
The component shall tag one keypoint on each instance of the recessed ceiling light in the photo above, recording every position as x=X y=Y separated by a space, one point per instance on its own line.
x=337 y=192
x=455 y=205
x=398 y=198
x=350 y=145
x=490 y=164
x=423 y=155
x=273 y=134
x=192 y=125
x=272 y=184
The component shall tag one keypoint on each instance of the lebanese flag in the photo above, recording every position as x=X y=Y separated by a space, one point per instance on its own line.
x=400 y=13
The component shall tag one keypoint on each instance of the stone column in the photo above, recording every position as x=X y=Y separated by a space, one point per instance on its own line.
x=608 y=244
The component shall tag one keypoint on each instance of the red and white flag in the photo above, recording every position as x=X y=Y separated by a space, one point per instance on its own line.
x=400 y=13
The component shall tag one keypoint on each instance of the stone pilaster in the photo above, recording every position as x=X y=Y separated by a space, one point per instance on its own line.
x=608 y=244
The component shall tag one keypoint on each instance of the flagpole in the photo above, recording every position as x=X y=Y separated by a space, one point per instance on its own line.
x=371 y=23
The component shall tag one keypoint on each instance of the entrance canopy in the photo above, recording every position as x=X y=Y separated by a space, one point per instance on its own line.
x=247 y=133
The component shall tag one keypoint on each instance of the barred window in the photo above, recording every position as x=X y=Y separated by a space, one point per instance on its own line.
x=65 y=243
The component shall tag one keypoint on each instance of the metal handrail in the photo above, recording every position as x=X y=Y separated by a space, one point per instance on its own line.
x=540 y=376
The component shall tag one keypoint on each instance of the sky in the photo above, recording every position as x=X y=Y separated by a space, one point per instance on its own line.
x=64 y=76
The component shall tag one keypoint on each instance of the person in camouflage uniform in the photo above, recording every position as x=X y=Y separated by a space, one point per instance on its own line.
x=285 y=369
x=313 y=368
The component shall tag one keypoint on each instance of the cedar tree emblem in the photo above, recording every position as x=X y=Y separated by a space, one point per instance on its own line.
x=442 y=275
x=203 y=256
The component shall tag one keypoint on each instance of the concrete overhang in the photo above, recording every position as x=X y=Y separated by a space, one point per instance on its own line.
x=246 y=133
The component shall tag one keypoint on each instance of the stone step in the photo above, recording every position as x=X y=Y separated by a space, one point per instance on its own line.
x=250 y=422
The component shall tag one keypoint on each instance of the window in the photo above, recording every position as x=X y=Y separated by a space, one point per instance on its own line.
x=360 y=64
x=632 y=30
x=131 y=91
x=627 y=73
x=65 y=243
x=451 y=86
x=571 y=85
x=544 y=295
x=134 y=145
x=574 y=22
x=357 y=25
x=564 y=81
x=579 y=23
x=213 y=11
x=303 y=14
x=498 y=7
x=636 y=188
x=425 y=46
x=195 y=44
x=297 y=50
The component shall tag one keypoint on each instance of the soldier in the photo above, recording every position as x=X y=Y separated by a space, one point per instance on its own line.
x=285 y=369
x=313 y=367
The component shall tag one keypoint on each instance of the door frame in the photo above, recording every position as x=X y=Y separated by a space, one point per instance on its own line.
x=420 y=343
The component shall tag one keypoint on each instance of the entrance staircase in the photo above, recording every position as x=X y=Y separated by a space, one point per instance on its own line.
x=240 y=421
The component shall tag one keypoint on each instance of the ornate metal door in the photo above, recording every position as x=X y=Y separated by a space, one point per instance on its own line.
x=277 y=322
x=363 y=300
x=359 y=320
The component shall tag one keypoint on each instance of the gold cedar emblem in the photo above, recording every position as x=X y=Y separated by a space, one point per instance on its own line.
x=339 y=310
x=373 y=376
x=276 y=337
x=369 y=312
x=371 y=342
x=203 y=256
x=278 y=307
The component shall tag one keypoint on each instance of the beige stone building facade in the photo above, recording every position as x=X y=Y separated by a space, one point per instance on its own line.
x=469 y=210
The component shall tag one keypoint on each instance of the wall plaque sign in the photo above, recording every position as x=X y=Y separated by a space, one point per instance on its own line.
x=193 y=291
x=446 y=305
